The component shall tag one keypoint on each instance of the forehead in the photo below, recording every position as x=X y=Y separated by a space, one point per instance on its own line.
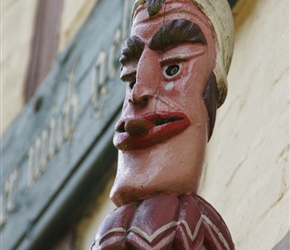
x=171 y=10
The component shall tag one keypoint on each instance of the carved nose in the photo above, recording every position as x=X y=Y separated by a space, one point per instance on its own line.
x=146 y=83
x=141 y=94
x=141 y=101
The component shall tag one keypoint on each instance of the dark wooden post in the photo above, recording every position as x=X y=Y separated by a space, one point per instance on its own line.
x=44 y=44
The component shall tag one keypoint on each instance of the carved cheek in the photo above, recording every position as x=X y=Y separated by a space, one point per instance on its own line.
x=183 y=85
x=126 y=102
x=169 y=86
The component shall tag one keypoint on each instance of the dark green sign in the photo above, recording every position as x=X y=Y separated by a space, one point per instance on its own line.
x=57 y=132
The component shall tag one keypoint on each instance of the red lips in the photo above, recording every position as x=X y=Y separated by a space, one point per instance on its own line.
x=144 y=131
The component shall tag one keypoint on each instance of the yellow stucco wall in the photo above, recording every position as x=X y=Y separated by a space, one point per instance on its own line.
x=85 y=231
x=74 y=14
x=247 y=167
x=17 y=18
x=16 y=37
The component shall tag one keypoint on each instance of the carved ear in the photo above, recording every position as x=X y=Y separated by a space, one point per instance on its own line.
x=154 y=6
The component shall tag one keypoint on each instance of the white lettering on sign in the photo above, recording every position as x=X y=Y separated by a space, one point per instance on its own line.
x=103 y=71
x=112 y=54
x=61 y=126
x=7 y=198
x=51 y=139
x=43 y=159
x=126 y=18
x=99 y=91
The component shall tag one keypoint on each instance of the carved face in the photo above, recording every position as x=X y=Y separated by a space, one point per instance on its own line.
x=163 y=129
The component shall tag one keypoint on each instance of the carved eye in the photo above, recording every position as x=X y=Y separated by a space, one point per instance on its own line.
x=171 y=70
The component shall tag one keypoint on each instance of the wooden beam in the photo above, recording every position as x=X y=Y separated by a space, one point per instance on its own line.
x=44 y=44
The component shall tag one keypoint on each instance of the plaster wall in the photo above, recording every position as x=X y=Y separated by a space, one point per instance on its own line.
x=247 y=167
x=246 y=175
x=75 y=12
x=16 y=36
x=86 y=230
x=17 y=19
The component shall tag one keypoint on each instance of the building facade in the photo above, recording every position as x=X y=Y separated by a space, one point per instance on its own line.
x=57 y=159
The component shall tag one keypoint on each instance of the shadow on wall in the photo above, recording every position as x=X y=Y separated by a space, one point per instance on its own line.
x=242 y=10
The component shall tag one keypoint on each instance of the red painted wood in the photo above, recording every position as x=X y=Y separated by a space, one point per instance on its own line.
x=164 y=222
x=174 y=65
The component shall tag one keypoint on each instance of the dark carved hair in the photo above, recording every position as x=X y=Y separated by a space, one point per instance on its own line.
x=210 y=97
x=154 y=6
x=175 y=32
x=132 y=50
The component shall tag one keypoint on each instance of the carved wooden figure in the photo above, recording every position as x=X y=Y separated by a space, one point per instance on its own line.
x=175 y=65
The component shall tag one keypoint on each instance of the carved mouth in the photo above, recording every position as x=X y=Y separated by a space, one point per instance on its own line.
x=134 y=133
x=143 y=126
x=167 y=120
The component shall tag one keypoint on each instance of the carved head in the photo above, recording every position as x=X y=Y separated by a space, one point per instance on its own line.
x=171 y=65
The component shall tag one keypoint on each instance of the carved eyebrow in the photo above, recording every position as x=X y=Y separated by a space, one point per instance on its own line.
x=175 y=32
x=181 y=56
x=132 y=50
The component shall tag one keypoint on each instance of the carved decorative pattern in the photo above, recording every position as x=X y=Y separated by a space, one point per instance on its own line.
x=164 y=222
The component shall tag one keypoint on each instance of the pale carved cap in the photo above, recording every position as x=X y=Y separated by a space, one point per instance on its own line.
x=220 y=16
